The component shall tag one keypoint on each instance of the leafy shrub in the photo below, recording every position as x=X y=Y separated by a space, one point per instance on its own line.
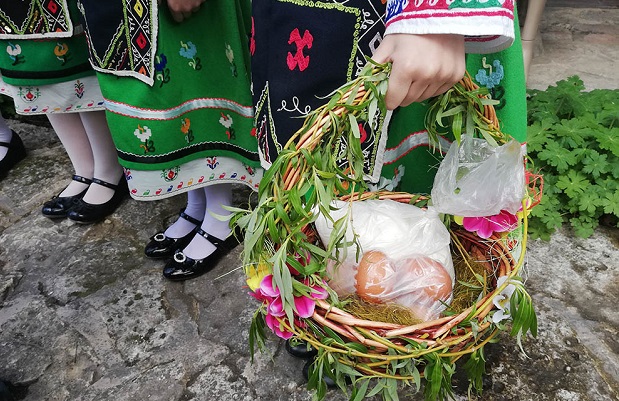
x=573 y=140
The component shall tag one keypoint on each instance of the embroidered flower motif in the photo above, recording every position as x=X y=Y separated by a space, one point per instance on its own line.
x=490 y=78
x=486 y=226
x=14 y=52
x=212 y=162
x=170 y=174
x=189 y=51
x=501 y=301
x=162 y=73
x=186 y=129
x=79 y=89
x=29 y=94
x=227 y=122
x=230 y=57
x=62 y=52
x=143 y=134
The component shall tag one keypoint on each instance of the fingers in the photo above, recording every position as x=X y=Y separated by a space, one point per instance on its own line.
x=183 y=9
x=423 y=66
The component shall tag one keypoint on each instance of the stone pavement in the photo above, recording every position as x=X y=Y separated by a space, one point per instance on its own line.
x=85 y=317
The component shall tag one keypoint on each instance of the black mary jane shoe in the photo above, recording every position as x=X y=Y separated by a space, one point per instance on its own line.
x=300 y=349
x=88 y=213
x=14 y=155
x=59 y=206
x=162 y=247
x=180 y=267
x=306 y=372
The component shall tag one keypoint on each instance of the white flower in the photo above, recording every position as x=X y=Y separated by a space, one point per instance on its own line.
x=143 y=133
x=13 y=50
x=226 y=120
x=501 y=300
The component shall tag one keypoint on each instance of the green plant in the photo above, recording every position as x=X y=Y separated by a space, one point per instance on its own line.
x=573 y=140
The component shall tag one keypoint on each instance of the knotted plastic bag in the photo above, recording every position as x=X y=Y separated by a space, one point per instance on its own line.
x=476 y=179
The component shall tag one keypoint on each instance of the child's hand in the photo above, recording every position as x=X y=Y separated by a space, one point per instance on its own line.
x=182 y=9
x=423 y=66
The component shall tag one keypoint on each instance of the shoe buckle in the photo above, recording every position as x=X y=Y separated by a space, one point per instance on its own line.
x=159 y=237
x=179 y=257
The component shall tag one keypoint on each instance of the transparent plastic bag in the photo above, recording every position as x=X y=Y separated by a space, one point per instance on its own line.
x=477 y=180
x=414 y=245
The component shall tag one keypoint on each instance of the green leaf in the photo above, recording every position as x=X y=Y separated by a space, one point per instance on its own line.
x=573 y=184
x=595 y=163
x=611 y=203
x=584 y=226
x=609 y=140
x=557 y=156
x=360 y=391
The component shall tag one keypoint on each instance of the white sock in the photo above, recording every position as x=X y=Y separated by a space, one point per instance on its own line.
x=196 y=207
x=70 y=131
x=217 y=196
x=104 y=154
x=5 y=136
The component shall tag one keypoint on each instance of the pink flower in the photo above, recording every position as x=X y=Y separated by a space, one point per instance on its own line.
x=304 y=306
x=486 y=226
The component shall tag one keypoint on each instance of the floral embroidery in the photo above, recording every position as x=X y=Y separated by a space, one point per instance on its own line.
x=299 y=59
x=212 y=162
x=186 y=129
x=14 y=52
x=29 y=94
x=79 y=89
x=490 y=78
x=161 y=72
x=230 y=57
x=144 y=133
x=170 y=174
x=189 y=51
x=227 y=122
x=62 y=52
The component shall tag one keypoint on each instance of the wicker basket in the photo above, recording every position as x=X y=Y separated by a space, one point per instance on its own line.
x=353 y=350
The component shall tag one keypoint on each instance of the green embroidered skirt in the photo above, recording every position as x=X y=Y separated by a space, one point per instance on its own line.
x=193 y=126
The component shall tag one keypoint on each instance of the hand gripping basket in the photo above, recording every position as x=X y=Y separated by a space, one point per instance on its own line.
x=285 y=262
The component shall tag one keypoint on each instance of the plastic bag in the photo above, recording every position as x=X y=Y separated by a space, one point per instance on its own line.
x=413 y=245
x=477 y=180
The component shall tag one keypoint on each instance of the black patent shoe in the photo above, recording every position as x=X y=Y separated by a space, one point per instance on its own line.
x=300 y=349
x=59 y=206
x=88 y=213
x=162 y=247
x=183 y=268
x=14 y=155
x=306 y=373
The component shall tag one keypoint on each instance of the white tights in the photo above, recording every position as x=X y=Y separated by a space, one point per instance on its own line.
x=87 y=140
x=204 y=204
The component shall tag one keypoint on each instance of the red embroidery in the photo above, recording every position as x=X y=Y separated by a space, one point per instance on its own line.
x=252 y=39
x=299 y=59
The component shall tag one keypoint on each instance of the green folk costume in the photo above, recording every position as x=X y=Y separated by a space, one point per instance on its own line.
x=177 y=95
x=44 y=64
